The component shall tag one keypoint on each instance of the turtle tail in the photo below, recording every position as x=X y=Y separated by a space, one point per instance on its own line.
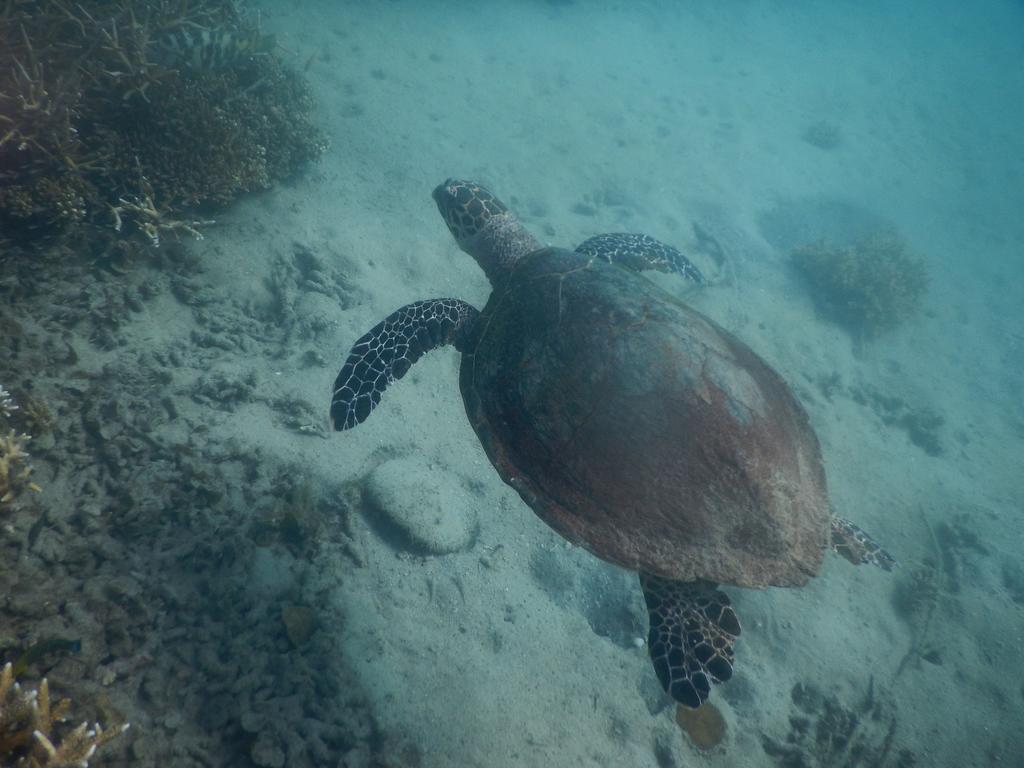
x=386 y=353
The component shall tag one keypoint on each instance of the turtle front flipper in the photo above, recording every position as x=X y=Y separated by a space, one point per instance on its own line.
x=693 y=629
x=390 y=348
x=640 y=252
x=855 y=545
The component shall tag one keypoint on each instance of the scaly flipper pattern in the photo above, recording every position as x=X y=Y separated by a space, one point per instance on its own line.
x=855 y=545
x=640 y=252
x=693 y=629
x=387 y=352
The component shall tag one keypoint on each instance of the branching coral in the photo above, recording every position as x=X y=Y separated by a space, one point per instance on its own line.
x=15 y=469
x=870 y=287
x=136 y=111
x=28 y=729
x=33 y=416
x=7 y=404
x=151 y=221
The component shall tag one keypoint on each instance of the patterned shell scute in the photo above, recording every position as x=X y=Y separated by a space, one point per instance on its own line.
x=643 y=431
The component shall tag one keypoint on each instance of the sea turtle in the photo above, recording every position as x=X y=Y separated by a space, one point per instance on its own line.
x=630 y=423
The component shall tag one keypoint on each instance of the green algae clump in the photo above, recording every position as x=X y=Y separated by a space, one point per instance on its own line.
x=870 y=287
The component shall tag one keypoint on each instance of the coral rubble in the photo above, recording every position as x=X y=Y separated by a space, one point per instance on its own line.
x=116 y=112
x=826 y=732
x=869 y=287
x=922 y=423
x=137 y=583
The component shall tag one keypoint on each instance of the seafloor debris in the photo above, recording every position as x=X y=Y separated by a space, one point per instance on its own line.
x=30 y=732
x=825 y=732
x=937 y=582
x=958 y=539
x=923 y=424
x=916 y=598
x=704 y=725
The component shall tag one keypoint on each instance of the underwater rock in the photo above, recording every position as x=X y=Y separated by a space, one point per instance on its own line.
x=428 y=509
x=299 y=623
x=823 y=135
x=267 y=752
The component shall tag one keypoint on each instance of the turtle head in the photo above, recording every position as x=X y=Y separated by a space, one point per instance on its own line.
x=483 y=226
x=466 y=207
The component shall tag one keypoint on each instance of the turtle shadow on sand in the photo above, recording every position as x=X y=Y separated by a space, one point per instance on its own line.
x=633 y=425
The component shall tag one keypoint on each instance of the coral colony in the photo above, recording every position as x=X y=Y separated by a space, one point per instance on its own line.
x=29 y=726
x=123 y=116
x=870 y=287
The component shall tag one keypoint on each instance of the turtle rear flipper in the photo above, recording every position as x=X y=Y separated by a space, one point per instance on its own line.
x=855 y=545
x=390 y=348
x=693 y=629
x=640 y=252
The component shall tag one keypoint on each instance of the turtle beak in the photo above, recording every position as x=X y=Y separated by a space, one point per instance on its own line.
x=446 y=194
x=439 y=191
x=443 y=197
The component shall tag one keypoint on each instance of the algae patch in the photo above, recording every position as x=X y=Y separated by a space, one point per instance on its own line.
x=870 y=287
